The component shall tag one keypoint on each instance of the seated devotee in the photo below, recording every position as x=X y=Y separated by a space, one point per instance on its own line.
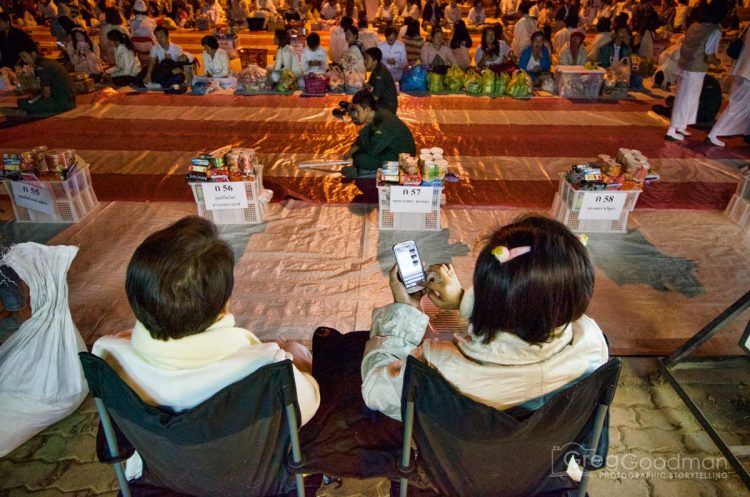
x=127 y=66
x=436 y=54
x=382 y=139
x=214 y=12
x=411 y=10
x=142 y=27
x=528 y=333
x=166 y=61
x=603 y=36
x=387 y=11
x=314 y=58
x=413 y=41
x=574 y=54
x=536 y=60
x=491 y=52
x=56 y=94
x=460 y=44
x=337 y=45
x=215 y=59
x=12 y=39
x=185 y=346
x=84 y=53
x=524 y=28
x=354 y=59
x=368 y=37
x=381 y=82
x=476 y=14
x=432 y=13
x=453 y=13
x=394 y=53
x=617 y=49
x=112 y=21
x=330 y=10
x=285 y=59
x=562 y=35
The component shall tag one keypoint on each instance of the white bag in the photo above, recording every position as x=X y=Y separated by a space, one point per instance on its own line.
x=41 y=380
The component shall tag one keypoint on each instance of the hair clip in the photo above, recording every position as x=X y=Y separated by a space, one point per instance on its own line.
x=504 y=254
x=583 y=238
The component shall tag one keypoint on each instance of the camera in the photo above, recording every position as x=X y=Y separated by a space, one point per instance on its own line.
x=344 y=109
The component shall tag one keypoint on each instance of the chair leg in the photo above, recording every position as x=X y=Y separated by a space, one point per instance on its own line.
x=596 y=434
x=291 y=416
x=406 y=448
x=109 y=435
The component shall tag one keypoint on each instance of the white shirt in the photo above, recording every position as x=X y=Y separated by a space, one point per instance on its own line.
x=742 y=66
x=126 y=63
x=561 y=38
x=386 y=13
x=412 y=12
x=533 y=63
x=453 y=14
x=286 y=59
x=319 y=55
x=499 y=59
x=476 y=16
x=172 y=52
x=329 y=10
x=369 y=38
x=397 y=52
x=712 y=43
x=522 y=32
x=143 y=26
x=218 y=65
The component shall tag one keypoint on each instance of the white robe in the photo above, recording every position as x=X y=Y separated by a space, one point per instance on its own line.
x=735 y=119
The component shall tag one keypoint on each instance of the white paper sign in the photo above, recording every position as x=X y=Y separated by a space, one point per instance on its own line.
x=411 y=199
x=32 y=196
x=604 y=205
x=222 y=196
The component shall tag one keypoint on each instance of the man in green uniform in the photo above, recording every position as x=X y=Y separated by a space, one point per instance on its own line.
x=382 y=139
x=57 y=94
x=381 y=82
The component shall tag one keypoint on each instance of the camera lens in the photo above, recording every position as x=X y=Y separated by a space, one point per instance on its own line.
x=338 y=113
x=344 y=104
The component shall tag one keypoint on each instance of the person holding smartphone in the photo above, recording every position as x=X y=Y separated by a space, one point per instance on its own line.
x=528 y=333
x=57 y=94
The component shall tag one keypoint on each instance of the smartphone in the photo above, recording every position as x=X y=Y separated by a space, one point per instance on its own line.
x=409 y=265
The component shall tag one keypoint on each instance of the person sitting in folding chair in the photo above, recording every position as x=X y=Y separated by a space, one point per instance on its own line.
x=528 y=335
x=185 y=346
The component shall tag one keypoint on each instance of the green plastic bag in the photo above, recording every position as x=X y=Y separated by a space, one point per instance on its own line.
x=488 y=81
x=501 y=83
x=473 y=83
x=520 y=85
x=287 y=81
x=454 y=79
x=434 y=82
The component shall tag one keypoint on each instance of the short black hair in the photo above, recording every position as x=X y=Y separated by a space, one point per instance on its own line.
x=536 y=292
x=180 y=278
x=282 y=37
x=524 y=7
x=364 y=98
x=362 y=23
x=352 y=29
x=161 y=29
x=346 y=21
x=210 y=41
x=603 y=25
x=390 y=30
x=313 y=40
x=716 y=12
x=375 y=53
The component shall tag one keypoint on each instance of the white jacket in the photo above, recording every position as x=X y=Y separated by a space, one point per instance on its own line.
x=522 y=32
x=397 y=52
x=126 y=63
x=218 y=65
x=182 y=373
x=286 y=59
x=319 y=55
x=504 y=373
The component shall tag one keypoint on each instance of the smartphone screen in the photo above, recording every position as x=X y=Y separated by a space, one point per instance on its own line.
x=409 y=265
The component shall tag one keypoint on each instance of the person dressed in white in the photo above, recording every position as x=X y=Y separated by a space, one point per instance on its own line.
x=387 y=11
x=522 y=31
x=491 y=51
x=179 y=354
x=522 y=344
x=213 y=12
x=562 y=36
x=240 y=10
x=735 y=120
x=394 y=54
x=371 y=9
x=330 y=10
x=603 y=37
x=266 y=6
x=668 y=71
x=215 y=59
x=354 y=60
x=286 y=59
x=127 y=66
x=368 y=37
x=698 y=50
x=411 y=10
x=314 y=58
x=574 y=54
x=476 y=14
x=453 y=13
x=142 y=29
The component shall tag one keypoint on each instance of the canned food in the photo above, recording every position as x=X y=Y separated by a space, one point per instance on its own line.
x=55 y=160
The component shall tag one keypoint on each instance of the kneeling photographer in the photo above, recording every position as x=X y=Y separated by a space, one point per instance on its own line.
x=383 y=137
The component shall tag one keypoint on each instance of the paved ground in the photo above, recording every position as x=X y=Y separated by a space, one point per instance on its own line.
x=650 y=426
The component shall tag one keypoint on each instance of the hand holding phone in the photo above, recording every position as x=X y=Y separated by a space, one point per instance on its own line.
x=409 y=265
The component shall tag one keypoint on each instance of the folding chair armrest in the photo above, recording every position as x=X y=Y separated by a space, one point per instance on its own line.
x=124 y=448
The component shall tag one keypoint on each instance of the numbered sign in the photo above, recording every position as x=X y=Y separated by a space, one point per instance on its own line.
x=221 y=196
x=32 y=196
x=604 y=205
x=411 y=199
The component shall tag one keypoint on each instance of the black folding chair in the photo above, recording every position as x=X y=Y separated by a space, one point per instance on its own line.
x=468 y=449
x=237 y=442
